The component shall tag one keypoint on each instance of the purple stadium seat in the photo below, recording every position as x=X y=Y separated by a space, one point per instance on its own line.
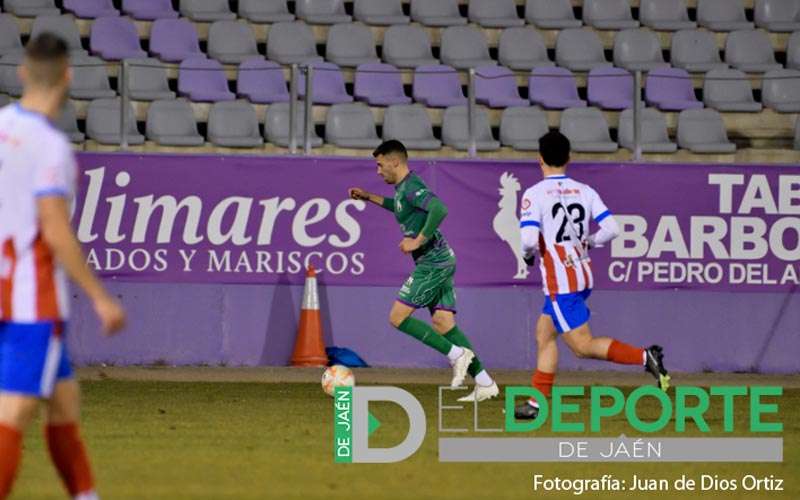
x=90 y=9
x=328 y=84
x=149 y=10
x=671 y=89
x=554 y=88
x=379 y=85
x=173 y=40
x=262 y=82
x=115 y=38
x=610 y=88
x=438 y=86
x=203 y=80
x=496 y=87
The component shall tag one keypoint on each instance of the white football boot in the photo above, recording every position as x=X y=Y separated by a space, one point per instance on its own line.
x=460 y=366
x=481 y=393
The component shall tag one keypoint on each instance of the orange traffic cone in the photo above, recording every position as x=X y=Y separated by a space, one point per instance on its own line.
x=309 y=349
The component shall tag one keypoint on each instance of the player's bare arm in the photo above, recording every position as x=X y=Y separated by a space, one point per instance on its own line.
x=60 y=238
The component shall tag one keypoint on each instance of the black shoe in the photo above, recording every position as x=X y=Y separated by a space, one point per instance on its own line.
x=655 y=365
x=526 y=412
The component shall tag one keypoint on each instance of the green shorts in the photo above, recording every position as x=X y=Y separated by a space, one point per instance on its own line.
x=431 y=287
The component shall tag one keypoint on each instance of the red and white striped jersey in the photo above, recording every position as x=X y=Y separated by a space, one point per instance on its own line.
x=36 y=160
x=560 y=209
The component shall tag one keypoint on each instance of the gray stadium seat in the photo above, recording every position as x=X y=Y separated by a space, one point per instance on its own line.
x=276 y=125
x=780 y=90
x=665 y=15
x=410 y=124
x=10 y=40
x=68 y=123
x=321 y=11
x=729 y=90
x=654 y=136
x=465 y=47
x=793 y=51
x=172 y=123
x=702 y=131
x=722 y=15
x=455 y=129
x=351 y=125
x=350 y=45
x=206 y=10
x=522 y=49
x=265 y=11
x=695 y=51
x=587 y=130
x=147 y=80
x=234 y=125
x=750 y=51
x=290 y=43
x=638 y=50
x=407 y=46
x=436 y=12
x=63 y=26
x=580 y=50
x=89 y=79
x=609 y=14
x=551 y=14
x=231 y=42
x=380 y=12
x=32 y=8
x=521 y=128
x=778 y=16
x=9 y=80
x=103 y=120
x=494 y=13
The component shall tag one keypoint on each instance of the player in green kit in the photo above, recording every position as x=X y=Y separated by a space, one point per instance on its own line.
x=419 y=213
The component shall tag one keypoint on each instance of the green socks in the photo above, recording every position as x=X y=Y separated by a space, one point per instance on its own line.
x=457 y=337
x=448 y=344
x=426 y=334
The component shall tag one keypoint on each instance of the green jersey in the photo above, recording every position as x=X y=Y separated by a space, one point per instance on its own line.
x=411 y=200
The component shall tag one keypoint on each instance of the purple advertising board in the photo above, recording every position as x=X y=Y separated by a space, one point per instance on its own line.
x=254 y=220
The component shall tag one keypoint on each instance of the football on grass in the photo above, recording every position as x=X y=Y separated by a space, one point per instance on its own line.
x=337 y=376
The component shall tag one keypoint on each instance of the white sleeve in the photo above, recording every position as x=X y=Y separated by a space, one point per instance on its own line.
x=599 y=209
x=530 y=224
x=609 y=229
x=55 y=172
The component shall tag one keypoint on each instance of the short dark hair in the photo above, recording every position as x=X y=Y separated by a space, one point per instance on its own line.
x=554 y=149
x=46 y=47
x=391 y=147
x=47 y=59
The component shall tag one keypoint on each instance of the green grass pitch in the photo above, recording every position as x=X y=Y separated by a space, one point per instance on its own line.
x=174 y=440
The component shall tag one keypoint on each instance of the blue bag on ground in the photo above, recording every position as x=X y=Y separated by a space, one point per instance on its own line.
x=344 y=356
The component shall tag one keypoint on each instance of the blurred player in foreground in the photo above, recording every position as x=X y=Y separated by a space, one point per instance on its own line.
x=555 y=223
x=38 y=249
x=419 y=213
